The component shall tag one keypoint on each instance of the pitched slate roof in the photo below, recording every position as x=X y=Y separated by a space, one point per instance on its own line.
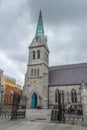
x=68 y=74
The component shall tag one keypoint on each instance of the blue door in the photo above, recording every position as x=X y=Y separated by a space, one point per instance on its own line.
x=34 y=100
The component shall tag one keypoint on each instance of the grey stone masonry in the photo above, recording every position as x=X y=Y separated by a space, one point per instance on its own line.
x=84 y=102
x=36 y=77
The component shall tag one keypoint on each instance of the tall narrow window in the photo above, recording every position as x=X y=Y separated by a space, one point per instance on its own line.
x=38 y=54
x=62 y=97
x=32 y=72
x=73 y=96
x=56 y=96
x=33 y=54
x=37 y=72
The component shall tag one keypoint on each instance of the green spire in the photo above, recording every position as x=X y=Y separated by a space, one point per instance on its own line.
x=40 y=29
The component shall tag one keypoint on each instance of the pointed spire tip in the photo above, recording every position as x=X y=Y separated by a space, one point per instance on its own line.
x=40 y=29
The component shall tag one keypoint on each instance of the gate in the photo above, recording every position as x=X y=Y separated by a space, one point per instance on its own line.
x=71 y=112
x=59 y=109
x=74 y=110
x=13 y=107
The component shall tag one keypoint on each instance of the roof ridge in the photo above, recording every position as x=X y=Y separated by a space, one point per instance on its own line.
x=69 y=66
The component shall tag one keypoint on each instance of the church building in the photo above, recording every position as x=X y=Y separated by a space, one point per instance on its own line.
x=42 y=82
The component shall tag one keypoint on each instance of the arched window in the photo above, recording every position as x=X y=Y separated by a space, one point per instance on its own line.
x=56 y=95
x=33 y=54
x=31 y=72
x=38 y=54
x=73 y=96
x=59 y=96
x=62 y=96
x=37 y=72
x=34 y=72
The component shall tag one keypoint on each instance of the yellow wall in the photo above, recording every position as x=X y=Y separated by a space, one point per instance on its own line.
x=10 y=82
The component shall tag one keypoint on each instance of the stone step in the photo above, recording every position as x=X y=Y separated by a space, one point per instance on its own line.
x=38 y=114
x=43 y=111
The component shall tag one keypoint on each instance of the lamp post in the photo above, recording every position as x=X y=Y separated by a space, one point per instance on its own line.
x=60 y=101
x=80 y=89
x=59 y=104
x=1 y=94
x=13 y=102
x=12 y=94
x=82 y=86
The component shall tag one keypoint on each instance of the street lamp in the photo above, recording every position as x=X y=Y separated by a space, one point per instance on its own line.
x=80 y=89
x=1 y=94
x=13 y=102
x=12 y=93
x=59 y=104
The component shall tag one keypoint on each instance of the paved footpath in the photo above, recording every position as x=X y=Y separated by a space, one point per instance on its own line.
x=27 y=125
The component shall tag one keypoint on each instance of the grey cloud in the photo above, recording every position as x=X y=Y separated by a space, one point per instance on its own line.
x=67 y=19
x=14 y=36
x=60 y=11
x=14 y=28
x=59 y=14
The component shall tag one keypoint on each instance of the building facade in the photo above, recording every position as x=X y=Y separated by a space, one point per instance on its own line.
x=1 y=74
x=9 y=86
x=42 y=82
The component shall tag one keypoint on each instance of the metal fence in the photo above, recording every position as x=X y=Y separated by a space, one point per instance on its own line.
x=13 y=107
x=71 y=112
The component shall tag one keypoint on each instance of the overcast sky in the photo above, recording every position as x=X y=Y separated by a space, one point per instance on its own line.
x=65 y=25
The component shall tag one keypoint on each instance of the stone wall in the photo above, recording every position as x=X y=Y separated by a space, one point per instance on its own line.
x=42 y=59
x=37 y=83
x=67 y=91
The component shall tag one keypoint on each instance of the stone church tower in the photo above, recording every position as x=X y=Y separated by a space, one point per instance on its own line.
x=36 y=77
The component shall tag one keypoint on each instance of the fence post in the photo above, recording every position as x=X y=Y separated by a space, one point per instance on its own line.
x=84 y=102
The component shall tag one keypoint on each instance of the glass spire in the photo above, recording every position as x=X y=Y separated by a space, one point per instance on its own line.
x=40 y=29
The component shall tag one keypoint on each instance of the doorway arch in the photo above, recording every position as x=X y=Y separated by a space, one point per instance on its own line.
x=34 y=100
